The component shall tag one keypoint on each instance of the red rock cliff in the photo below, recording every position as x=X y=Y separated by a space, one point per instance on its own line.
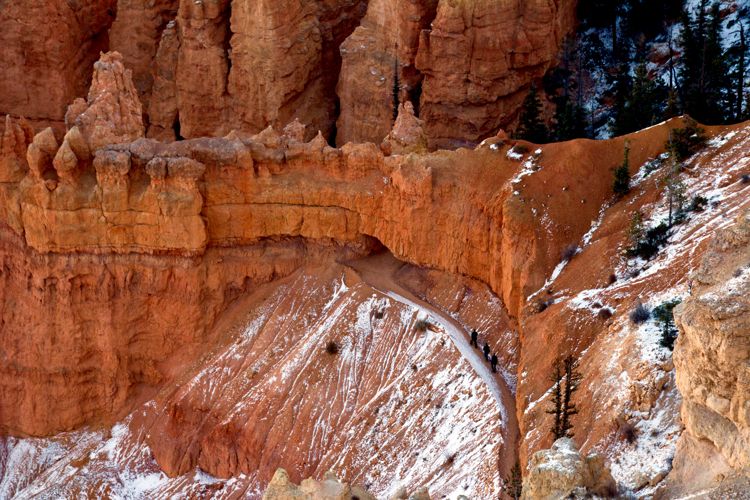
x=208 y=67
x=461 y=212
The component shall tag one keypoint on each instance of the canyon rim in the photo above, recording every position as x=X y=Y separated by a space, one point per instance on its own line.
x=339 y=249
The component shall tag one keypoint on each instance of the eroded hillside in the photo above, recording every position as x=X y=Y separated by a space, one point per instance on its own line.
x=186 y=317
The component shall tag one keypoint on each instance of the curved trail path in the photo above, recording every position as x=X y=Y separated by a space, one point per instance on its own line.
x=379 y=271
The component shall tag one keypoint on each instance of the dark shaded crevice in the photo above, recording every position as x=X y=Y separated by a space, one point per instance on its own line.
x=415 y=96
x=176 y=128
x=411 y=75
x=342 y=20
x=228 y=44
x=334 y=128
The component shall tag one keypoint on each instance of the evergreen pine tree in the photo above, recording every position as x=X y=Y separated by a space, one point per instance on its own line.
x=621 y=183
x=675 y=196
x=739 y=91
x=513 y=484
x=717 y=85
x=672 y=108
x=563 y=119
x=557 y=401
x=396 y=90
x=674 y=187
x=641 y=107
x=621 y=92
x=644 y=100
x=566 y=380
x=572 y=380
x=705 y=82
x=570 y=120
x=531 y=127
x=636 y=229
x=581 y=122
x=691 y=43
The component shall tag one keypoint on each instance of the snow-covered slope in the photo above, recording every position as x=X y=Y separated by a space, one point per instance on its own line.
x=629 y=378
x=395 y=405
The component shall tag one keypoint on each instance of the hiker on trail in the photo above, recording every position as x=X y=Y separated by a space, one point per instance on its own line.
x=486 y=351
x=493 y=362
x=474 y=336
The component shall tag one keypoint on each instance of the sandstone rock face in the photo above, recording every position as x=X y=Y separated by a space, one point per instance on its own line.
x=379 y=52
x=209 y=67
x=151 y=197
x=282 y=62
x=562 y=472
x=203 y=30
x=115 y=322
x=466 y=66
x=478 y=60
x=136 y=33
x=112 y=112
x=17 y=135
x=174 y=203
x=247 y=65
x=713 y=347
x=47 y=64
x=162 y=107
x=279 y=398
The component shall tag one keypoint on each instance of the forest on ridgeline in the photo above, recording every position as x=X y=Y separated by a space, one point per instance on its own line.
x=634 y=63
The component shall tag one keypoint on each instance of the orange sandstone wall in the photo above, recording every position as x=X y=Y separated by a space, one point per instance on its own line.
x=204 y=68
x=116 y=235
x=47 y=48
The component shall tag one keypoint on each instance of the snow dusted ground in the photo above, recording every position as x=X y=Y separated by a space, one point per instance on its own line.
x=634 y=373
x=98 y=464
x=394 y=407
x=458 y=336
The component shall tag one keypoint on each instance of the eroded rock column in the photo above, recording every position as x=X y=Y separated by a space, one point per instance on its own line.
x=378 y=68
x=479 y=59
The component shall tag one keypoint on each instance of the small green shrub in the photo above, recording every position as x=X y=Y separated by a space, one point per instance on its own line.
x=626 y=431
x=664 y=315
x=698 y=203
x=422 y=325
x=512 y=485
x=542 y=305
x=640 y=314
x=652 y=241
x=332 y=347
x=685 y=142
x=621 y=182
x=569 y=252
x=652 y=166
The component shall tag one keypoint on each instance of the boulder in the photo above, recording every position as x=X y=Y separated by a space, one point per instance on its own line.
x=562 y=471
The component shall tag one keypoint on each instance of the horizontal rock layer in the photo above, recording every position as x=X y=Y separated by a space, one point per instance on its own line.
x=144 y=221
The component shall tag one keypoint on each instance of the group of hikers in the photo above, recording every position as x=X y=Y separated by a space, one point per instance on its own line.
x=486 y=350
